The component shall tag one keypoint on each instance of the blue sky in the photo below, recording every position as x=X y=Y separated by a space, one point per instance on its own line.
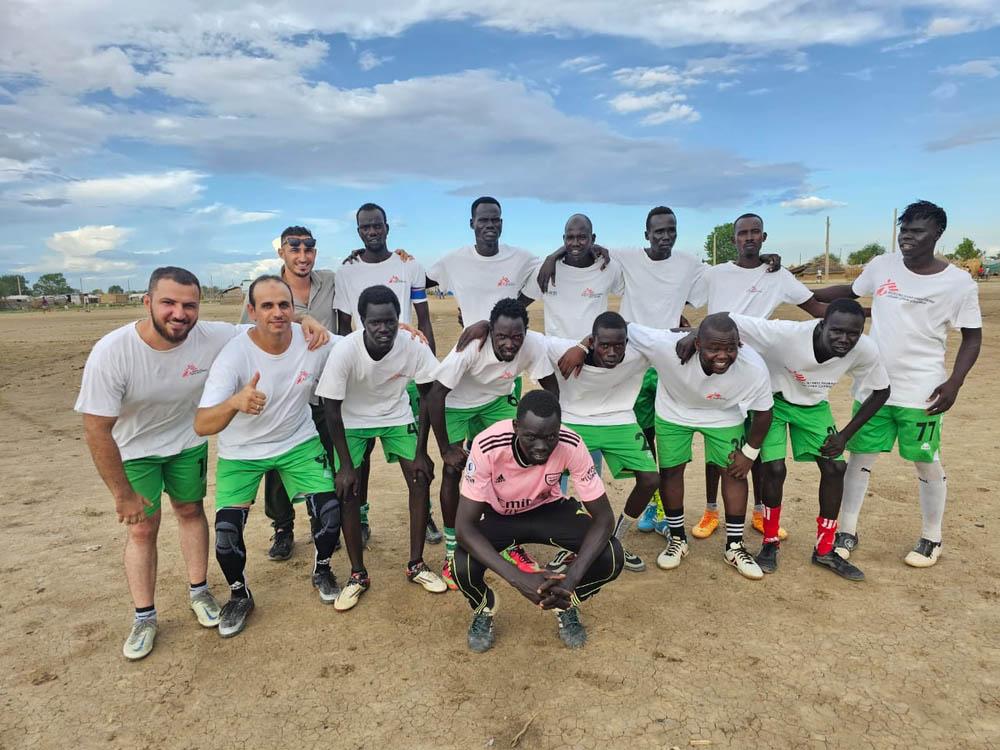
x=193 y=133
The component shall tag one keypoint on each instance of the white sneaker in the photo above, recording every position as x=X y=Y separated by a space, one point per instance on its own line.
x=737 y=556
x=924 y=555
x=206 y=609
x=140 y=641
x=670 y=558
x=427 y=578
x=349 y=595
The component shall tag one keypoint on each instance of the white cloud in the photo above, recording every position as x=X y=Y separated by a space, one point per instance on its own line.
x=230 y=216
x=945 y=91
x=83 y=250
x=798 y=62
x=647 y=78
x=987 y=68
x=987 y=131
x=673 y=113
x=165 y=189
x=810 y=205
x=579 y=63
x=628 y=102
x=865 y=74
x=758 y=92
x=368 y=60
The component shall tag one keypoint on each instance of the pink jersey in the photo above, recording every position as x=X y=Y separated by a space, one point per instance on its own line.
x=495 y=474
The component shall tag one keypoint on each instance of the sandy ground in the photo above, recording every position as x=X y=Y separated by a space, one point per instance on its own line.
x=695 y=657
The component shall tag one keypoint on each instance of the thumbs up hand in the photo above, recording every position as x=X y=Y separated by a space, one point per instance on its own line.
x=249 y=400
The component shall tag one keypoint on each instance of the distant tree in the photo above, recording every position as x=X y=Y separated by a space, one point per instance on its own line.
x=965 y=250
x=97 y=291
x=725 y=244
x=52 y=283
x=9 y=285
x=115 y=289
x=865 y=254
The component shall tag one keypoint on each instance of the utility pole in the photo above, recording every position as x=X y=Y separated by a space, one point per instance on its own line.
x=826 y=270
x=83 y=295
x=18 y=277
x=714 y=243
x=892 y=245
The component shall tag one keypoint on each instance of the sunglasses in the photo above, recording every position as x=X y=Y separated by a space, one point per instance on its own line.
x=294 y=242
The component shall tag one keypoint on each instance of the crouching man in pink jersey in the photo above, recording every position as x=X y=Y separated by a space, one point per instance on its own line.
x=510 y=495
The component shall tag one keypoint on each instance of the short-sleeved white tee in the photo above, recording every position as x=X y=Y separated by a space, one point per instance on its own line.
x=685 y=395
x=287 y=379
x=479 y=282
x=476 y=377
x=153 y=393
x=787 y=348
x=599 y=395
x=911 y=316
x=751 y=291
x=576 y=297
x=654 y=292
x=373 y=392
x=406 y=279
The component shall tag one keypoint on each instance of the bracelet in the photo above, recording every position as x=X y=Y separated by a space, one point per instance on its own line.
x=585 y=349
x=750 y=452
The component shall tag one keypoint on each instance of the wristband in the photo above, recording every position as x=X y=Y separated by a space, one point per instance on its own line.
x=585 y=349
x=749 y=452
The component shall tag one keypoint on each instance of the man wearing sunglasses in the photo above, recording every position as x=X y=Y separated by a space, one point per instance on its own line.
x=312 y=294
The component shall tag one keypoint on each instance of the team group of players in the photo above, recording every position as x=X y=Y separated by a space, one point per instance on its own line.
x=301 y=408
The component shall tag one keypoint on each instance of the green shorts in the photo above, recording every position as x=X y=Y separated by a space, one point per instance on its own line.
x=645 y=402
x=465 y=424
x=183 y=475
x=518 y=387
x=808 y=427
x=304 y=470
x=399 y=441
x=623 y=446
x=414 y=396
x=918 y=432
x=673 y=443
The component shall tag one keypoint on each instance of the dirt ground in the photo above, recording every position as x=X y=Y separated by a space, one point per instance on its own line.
x=694 y=657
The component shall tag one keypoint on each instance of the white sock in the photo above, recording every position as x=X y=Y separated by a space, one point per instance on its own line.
x=933 y=493
x=859 y=470
x=624 y=524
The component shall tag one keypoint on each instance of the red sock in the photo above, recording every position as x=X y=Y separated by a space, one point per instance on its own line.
x=826 y=529
x=772 y=522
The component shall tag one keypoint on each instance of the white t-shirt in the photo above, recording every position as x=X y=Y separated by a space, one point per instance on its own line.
x=153 y=393
x=654 y=292
x=576 y=297
x=687 y=396
x=479 y=282
x=286 y=379
x=751 y=291
x=374 y=392
x=406 y=279
x=787 y=348
x=600 y=395
x=911 y=316
x=476 y=377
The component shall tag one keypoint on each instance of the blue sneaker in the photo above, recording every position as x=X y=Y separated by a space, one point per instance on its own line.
x=647 y=521
x=660 y=525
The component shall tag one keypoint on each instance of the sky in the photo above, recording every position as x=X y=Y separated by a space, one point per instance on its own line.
x=187 y=133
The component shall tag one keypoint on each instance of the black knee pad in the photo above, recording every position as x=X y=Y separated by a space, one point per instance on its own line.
x=229 y=523
x=325 y=509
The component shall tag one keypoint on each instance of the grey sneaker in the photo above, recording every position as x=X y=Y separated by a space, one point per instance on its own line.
x=366 y=534
x=633 y=562
x=571 y=630
x=481 y=635
x=140 y=641
x=284 y=540
x=844 y=544
x=326 y=582
x=234 y=616
x=206 y=609
x=561 y=561
x=838 y=565
x=767 y=558
x=432 y=535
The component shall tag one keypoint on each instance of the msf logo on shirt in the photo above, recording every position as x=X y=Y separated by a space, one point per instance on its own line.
x=504 y=281
x=886 y=288
x=590 y=294
x=713 y=396
x=394 y=279
x=192 y=370
x=754 y=290
x=797 y=375
x=302 y=377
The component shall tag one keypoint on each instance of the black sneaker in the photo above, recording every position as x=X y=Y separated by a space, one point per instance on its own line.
x=233 y=617
x=326 y=582
x=571 y=630
x=844 y=544
x=432 y=535
x=366 y=534
x=561 y=561
x=284 y=540
x=633 y=562
x=838 y=565
x=481 y=635
x=767 y=558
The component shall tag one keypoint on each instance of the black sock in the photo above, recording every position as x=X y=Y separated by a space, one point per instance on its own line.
x=675 y=520
x=734 y=529
x=411 y=563
x=230 y=550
